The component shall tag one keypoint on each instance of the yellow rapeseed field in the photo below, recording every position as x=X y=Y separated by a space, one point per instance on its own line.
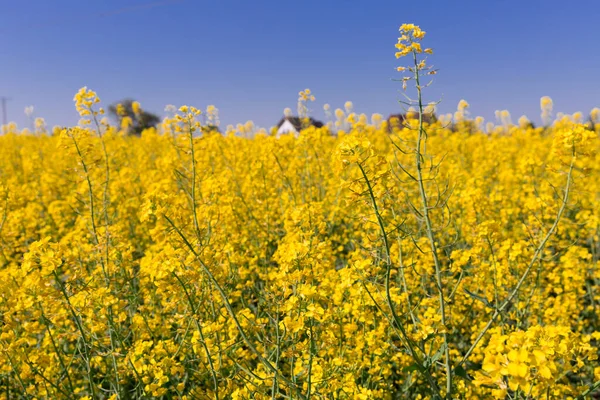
x=415 y=259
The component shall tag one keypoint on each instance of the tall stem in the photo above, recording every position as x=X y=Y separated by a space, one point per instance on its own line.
x=395 y=320
x=421 y=141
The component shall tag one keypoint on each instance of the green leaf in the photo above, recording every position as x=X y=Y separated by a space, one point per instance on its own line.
x=438 y=354
x=410 y=368
x=461 y=372
x=478 y=297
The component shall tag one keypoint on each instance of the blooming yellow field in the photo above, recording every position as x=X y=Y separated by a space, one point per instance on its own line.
x=420 y=261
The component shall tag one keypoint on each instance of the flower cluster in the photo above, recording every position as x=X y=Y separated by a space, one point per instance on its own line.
x=534 y=362
x=304 y=97
x=125 y=281
x=84 y=101
x=417 y=259
x=409 y=43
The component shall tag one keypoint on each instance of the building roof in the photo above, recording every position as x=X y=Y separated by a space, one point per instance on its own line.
x=297 y=122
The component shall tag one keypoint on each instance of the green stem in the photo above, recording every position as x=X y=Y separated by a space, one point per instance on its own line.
x=421 y=141
x=232 y=314
x=395 y=319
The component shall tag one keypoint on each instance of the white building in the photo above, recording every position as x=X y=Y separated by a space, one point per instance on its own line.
x=293 y=125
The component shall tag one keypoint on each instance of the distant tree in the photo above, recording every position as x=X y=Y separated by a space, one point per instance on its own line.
x=397 y=121
x=129 y=113
x=211 y=129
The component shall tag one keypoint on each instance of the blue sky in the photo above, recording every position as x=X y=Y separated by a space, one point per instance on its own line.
x=250 y=58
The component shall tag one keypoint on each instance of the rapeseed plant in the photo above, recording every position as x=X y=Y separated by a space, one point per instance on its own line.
x=426 y=260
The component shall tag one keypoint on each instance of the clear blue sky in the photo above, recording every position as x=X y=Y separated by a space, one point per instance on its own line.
x=250 y=58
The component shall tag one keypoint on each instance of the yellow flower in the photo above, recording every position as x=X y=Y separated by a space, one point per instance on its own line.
x=135 y=107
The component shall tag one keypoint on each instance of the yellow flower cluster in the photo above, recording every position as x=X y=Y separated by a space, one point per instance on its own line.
x=306 y=95
x=409 y=41
x=529 y=362
x=84 y=101
x=418 y=259
x=189 y=264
